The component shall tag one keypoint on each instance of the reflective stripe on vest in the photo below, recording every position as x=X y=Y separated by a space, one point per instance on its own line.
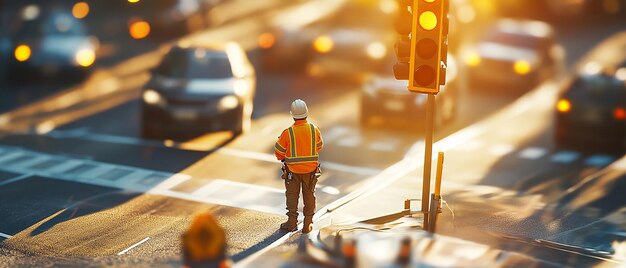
x=312 y=139
x=294 y=158
x=292 y=139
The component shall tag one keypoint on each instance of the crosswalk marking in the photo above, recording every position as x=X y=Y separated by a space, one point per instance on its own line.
x=469 y=146
x=599 y=160
x=565 y=157
x=501 y=149
x=220 y=192
x=533 y=153
x=350 y=142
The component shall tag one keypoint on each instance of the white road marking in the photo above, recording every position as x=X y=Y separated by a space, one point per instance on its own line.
x=383 y=146
x=565 y=157
x=271 y=158
x=501 y=149
x=5 y=235
x=228 y=151
x=599 y=160
x=469 y=146
x=350 y=142
x=330 y=190
x=172 y=181
x=334 y=133
x=18 y=178
x=133 y=246
x=533 y=153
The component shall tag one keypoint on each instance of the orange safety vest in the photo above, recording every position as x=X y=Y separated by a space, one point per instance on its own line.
x=299 y=146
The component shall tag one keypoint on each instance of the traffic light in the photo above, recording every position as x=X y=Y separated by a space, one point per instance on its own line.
x=422 y=48
x=403 y=46
x=429 y=36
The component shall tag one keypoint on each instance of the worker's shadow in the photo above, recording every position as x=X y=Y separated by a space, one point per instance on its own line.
x=85 y=207
x=266 y=242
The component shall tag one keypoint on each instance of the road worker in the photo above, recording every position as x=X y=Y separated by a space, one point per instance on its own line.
x=298 y=148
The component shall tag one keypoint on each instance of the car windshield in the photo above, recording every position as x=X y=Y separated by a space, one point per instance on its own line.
x=54 y=24
x=515 y=40
x=604 y=87
x=195 y=63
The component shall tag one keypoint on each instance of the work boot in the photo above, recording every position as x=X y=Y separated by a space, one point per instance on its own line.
x=307 y=227
x=290 y=225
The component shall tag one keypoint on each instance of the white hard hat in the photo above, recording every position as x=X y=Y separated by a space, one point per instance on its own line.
x=299 y=109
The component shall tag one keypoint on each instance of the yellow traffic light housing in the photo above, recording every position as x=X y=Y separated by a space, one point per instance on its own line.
x=429 y=42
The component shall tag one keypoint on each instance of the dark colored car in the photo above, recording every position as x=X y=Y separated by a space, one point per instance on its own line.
x=387 y=100
x=199 y=89
x=591 y=109
x=50 y=43
x=513 y=54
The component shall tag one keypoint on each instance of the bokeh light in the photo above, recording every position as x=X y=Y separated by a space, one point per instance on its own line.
x=80 y=10
x=22 y=53
x=323 y=44
x=85 y=57
x=521 y=67
x=564 y=106
x=266 y=40
x=139 y=29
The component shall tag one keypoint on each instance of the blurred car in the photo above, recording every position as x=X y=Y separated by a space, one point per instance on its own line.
x=201 y=89
x=387 y=100
x=591 y=108
x=50 y=43
x=513 y=54
x=342 y=38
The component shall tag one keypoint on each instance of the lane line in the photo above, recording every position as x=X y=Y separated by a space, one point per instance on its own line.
x=18 y=178
x=501 y=149
x=5 y=235
x=599 y=160
x=227 y=151
x=565 y=157
x=133 y=246
x=533 y=153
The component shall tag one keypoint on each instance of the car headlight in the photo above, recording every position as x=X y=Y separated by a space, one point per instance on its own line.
x=473 y=59
x=85 y=57
x=522 y=67
x=376 y=50
x=153 y=98
x=228 y=103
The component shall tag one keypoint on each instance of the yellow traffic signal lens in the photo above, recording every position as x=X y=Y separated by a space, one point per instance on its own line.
x=22 y=53
x=563 y=106
x=521 y=67
x=323 y=44
x=428 y=20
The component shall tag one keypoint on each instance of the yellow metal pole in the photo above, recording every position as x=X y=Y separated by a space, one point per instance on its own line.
x=428 y=153
x=438 y=176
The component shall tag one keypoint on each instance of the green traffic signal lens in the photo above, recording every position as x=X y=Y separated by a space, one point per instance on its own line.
x=426 y=48
x=424 y=76
x=428 y=20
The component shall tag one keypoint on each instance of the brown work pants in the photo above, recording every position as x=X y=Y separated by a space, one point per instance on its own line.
x=307 y=183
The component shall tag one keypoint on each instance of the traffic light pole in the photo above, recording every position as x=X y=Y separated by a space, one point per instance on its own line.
x=428 y=154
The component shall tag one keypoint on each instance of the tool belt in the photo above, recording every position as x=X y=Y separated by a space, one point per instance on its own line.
x=287 y=175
